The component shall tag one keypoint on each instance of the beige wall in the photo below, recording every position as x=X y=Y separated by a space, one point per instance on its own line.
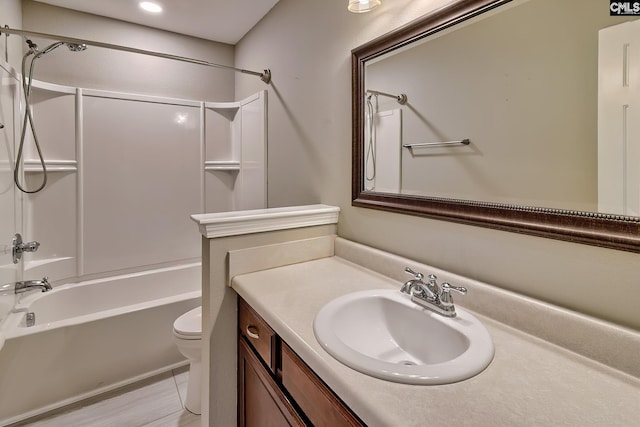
x=100 y=68
x=307 y=46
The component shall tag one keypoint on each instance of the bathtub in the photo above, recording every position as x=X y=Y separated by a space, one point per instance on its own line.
x=91 y=337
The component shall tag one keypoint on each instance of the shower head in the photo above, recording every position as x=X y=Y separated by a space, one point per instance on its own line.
x=73 y=47
x=50 y=48
x=76 y=47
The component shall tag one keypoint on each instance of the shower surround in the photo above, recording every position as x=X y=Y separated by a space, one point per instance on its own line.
x=126 y=171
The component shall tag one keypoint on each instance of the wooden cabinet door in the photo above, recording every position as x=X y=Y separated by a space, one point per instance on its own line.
x=315 y=399
x=261 y=403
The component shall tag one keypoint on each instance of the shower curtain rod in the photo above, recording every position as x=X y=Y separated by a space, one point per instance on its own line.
x=265 y=76
x=402 y=98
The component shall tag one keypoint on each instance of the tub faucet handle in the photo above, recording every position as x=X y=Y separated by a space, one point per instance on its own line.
x=18 y=247
x=31 y=246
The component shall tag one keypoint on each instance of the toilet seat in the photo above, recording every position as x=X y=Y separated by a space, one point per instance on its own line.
x=189 y=325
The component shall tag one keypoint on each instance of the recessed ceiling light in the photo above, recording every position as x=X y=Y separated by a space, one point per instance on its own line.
x=359 y=6
x=150 y=6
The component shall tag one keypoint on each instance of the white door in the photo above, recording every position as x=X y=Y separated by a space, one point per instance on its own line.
x=619 y=119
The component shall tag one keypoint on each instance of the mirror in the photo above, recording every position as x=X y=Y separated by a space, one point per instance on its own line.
x=505 y=114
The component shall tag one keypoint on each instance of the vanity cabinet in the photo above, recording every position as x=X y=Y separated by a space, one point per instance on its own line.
x=261 y=402
x=276 y=387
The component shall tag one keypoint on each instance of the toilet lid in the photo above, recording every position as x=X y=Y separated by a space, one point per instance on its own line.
x=190 y=323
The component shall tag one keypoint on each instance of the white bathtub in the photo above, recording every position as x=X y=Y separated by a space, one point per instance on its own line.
x=90 y=337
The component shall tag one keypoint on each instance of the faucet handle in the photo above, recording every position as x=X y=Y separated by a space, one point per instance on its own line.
x=445 y=296
x=31 y=246
x=408 y=287
x=447 y=288
x=417 y=276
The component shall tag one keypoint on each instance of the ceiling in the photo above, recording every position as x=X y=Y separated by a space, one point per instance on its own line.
x=225 y=21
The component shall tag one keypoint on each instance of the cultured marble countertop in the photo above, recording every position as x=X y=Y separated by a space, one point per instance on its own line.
x=530 y=382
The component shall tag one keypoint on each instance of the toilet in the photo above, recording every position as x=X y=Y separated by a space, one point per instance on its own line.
x=187 y=334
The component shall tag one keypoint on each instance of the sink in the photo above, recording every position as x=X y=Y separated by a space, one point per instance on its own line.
x=383 y=334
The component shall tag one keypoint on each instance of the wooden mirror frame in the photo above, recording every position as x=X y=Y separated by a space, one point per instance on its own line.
x=604 y=230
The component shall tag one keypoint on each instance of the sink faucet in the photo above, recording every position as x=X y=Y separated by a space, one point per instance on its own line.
x=431 y=296
x=29 y=285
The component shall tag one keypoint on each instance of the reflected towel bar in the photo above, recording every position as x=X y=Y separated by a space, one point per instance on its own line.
x=438 y=144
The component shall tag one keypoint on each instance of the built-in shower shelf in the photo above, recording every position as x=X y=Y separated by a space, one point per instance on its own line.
x=52 y=166
x=222 y=165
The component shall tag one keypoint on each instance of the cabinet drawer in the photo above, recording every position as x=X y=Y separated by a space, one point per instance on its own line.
x=318 y=403
x=261 y=337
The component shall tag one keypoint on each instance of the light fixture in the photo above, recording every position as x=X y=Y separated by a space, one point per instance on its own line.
x=360 y=6
x=150 y=6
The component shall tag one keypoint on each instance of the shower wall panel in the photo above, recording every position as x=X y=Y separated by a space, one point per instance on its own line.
x=51 y=215
x=9 y=214
x=54 y=115
x=141 y=183
x=253 y=182
x=222 y=158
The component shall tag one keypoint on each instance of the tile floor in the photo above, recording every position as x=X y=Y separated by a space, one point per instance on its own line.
x=155 y=402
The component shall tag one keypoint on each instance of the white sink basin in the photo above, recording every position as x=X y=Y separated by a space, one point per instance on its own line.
x=383 y=334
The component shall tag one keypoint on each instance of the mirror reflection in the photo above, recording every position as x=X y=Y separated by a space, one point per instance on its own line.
x=531 y=104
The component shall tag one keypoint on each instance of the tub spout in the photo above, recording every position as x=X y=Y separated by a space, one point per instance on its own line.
x=29 y=285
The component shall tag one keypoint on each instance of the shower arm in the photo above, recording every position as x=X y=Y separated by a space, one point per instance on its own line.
x=265 y=76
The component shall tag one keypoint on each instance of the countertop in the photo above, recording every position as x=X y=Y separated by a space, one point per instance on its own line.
x=530 y=382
